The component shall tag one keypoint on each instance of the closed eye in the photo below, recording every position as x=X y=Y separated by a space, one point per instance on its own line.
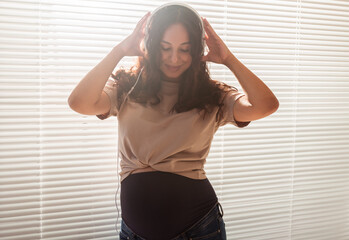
x=168 y=49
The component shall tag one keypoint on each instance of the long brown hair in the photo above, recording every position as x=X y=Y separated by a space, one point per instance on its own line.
x=196 y=89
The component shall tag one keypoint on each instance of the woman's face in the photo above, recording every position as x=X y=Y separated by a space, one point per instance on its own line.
x=175 y=52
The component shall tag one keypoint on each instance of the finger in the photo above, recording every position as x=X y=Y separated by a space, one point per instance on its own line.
x=142 y=20
x=206 y=23
x=204 y=58
x=145 y=22
x=208 y=28
x=145 y=16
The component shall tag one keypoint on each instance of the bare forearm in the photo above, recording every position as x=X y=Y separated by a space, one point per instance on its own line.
x=91 y=85
x=257 y=93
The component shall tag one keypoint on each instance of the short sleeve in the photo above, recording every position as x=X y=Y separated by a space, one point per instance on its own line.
x=110 y=89
x=229 y=100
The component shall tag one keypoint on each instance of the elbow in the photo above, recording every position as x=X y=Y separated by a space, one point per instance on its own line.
x=272 y=106
x=73 y=104
x=267 y=108
x=70 y=102
x=275 y=105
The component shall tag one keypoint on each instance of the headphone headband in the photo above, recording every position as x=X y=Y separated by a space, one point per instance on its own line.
x=183 y=5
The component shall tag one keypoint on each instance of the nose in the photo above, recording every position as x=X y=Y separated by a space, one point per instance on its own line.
x=174 y=56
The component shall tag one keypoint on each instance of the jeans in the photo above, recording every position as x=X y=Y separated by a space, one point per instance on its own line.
x=209 y=227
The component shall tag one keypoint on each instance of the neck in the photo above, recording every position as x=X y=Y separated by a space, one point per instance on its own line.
x=172 y=80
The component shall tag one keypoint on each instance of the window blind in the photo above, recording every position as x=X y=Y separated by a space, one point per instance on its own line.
x=282 y=177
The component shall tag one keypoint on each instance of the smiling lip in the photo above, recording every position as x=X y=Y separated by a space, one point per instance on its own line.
x=172 y=68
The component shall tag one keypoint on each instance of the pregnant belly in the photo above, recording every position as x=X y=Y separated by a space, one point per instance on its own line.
x=161 y=205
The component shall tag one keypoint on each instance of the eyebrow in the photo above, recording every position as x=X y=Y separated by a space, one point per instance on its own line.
x=170 y=43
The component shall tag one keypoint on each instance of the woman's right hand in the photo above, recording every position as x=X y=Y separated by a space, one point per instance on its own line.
x=131 y=46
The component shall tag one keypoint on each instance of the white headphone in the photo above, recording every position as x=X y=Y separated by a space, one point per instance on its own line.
x=177 y=4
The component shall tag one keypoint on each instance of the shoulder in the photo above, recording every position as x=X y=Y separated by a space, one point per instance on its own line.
x=224 y=89
x=123 y=80
x=122 y=76
x=223 y=86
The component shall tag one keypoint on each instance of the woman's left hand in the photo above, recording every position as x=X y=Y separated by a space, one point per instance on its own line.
x=218 y=51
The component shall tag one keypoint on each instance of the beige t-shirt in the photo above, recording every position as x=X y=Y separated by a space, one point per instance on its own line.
x=152 y=138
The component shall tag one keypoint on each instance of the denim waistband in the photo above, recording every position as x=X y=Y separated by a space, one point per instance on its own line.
x=212 y=214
